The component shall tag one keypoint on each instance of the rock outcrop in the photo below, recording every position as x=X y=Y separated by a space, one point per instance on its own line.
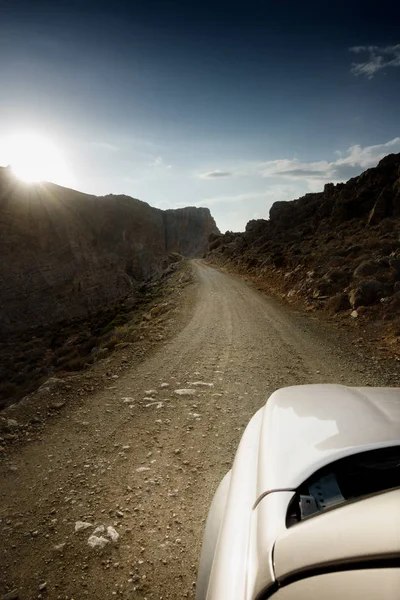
x=338 y=249
x=75 y=268
x=187 y=230
x=65 y=254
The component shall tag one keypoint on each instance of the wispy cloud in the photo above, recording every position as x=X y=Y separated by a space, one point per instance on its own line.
x=276 y=192
x=379 y=57
x=347 y=164
x=158 y=161
x=355 y=160
x=216 y=173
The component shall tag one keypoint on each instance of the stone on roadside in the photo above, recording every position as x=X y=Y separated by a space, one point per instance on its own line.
x=13 y=595
x=59 y=547
x=82 y=525
x=57 y=405
x=99 y=529
x=366 y=293
x=112 y=533
x=185 y=392
x=97 y=543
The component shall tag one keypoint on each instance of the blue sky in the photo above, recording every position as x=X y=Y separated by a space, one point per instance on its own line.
x=230 y=105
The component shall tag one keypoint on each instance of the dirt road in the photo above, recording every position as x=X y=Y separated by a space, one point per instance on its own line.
x=145 y=459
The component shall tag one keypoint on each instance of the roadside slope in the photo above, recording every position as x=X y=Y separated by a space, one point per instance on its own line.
x=137 y=456
x=336 y=252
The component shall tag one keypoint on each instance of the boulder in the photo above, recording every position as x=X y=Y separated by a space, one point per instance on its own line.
x=338 y=302
x=335 y=275
x=367 y=292
x=366 y=269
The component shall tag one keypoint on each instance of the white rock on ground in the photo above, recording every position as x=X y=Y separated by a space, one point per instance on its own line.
x=97 y=542
x=112 y=533
x=185 y=392
x=99 y=529
x=81 y=525
x=201 y=384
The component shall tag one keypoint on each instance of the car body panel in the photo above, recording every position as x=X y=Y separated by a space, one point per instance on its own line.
x=307 y=427
x=211 y=534
x=300 y=430
x=364 y=584
x=228 y=578
x=363 y=530
x=268 y=523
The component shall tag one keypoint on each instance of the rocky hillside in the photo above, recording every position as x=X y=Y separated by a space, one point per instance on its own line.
x=337 y=250
x=74 y=271
x=65 y=254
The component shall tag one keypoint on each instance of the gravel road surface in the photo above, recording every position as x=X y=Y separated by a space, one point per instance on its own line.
x=144 y=453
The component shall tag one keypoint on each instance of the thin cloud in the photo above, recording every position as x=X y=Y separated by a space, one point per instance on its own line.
x=216 y=173
x=379 y=57
x=276 y=192
x=349 y=163
x=356 y=160
x=158 y=161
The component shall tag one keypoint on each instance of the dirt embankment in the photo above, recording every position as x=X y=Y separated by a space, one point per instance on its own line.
x=139 y=441
x=337 y=251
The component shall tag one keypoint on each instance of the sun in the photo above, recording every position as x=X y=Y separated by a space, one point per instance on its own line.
x=33 y=158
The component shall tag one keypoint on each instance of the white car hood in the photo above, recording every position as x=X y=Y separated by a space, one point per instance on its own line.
x=298 y=431
x=307 y=427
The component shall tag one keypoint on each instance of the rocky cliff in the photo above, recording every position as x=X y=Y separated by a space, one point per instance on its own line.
x=338 y=249
x=65 y=254
x=187 y=230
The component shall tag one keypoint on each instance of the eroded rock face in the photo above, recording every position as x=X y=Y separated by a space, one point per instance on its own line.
x=65 y=254
x=187 y=230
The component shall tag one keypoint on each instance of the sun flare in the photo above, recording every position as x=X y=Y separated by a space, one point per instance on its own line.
x=35 y=158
